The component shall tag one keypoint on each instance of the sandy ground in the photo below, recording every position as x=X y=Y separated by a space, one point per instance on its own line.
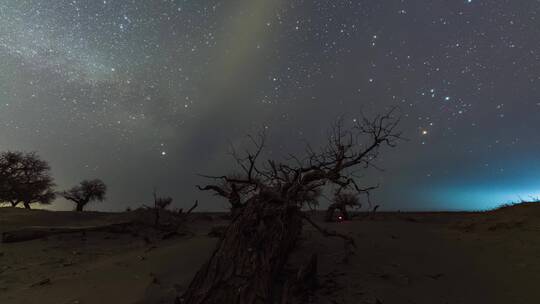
x=401 y=258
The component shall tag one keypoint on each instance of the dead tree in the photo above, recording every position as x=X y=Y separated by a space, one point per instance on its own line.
x=267 y=200
x=160 y=203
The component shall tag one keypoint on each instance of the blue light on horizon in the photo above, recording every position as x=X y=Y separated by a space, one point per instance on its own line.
x=482 y=197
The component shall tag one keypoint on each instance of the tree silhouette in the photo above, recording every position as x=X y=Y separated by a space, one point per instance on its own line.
x=25 y=178
x=268 y=198
x=163 y=202
x=160 y=203
x=342 y=200
x=86 y=192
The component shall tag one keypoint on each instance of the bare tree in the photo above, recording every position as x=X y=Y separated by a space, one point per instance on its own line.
x=86 y=192
x=342 y=201
x=160 y=208
x=25 y=178
x=268 y=198
x=160 y=203
x=163 y=202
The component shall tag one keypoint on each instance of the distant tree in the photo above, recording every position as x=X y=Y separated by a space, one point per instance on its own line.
x=86 y=192
x=160 y=203
x=163 y=202
x=342 y=201
x=25 y=178
x=8 y=165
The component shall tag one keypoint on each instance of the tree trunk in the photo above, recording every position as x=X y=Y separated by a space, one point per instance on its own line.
x=14 y=204
x=27 y=205
x=245 y=266
x=345 y=213
x=79 y=207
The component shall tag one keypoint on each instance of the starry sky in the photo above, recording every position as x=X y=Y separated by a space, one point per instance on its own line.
x=148 y=94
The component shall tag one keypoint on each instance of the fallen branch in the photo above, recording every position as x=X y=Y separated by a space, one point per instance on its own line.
x=42 y=282
x=33 y=233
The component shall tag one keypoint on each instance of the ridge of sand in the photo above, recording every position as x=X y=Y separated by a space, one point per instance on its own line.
x=491 y=257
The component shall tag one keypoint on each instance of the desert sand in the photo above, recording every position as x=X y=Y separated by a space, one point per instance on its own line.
x=488 y=257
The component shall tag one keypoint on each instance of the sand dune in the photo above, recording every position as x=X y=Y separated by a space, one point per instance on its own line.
x=489 y=257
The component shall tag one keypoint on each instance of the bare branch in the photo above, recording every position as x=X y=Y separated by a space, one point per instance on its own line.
x=347 y=150
x=193 y=207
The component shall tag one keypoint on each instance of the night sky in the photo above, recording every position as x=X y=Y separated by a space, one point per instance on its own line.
x=150 y=93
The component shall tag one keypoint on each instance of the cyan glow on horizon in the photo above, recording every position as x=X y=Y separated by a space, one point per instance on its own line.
x=478 y=188
x=482 y=197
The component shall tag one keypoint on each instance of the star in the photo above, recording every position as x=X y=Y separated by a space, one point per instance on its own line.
x=115 y=80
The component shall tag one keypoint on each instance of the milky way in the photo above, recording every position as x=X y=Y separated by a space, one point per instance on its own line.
x=147 y=94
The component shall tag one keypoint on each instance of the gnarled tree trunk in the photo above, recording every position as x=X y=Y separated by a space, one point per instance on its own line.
x=245 y=266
